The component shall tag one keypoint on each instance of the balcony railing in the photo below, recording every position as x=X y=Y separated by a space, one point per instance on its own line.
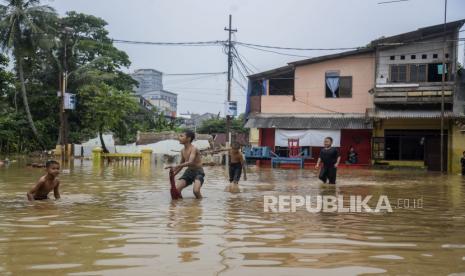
x=427 y=93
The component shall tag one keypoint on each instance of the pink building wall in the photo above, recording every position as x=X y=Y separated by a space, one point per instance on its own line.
x=310 y=88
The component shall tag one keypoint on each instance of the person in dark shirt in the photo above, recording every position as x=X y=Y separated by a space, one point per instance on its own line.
x=330 y=158
x=352 y=156
x=462 y=162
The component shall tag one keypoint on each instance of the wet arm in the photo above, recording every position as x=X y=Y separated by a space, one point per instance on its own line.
x=177 y=169
x=56 y=191
x=30 y=194
x=318 y=162
x=337 y=161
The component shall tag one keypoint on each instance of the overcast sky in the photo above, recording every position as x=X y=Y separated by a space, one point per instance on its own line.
x=289 y=23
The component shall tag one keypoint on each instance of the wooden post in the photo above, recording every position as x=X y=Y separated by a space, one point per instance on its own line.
x=147 y=156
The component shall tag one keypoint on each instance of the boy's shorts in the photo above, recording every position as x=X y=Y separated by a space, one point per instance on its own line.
x=190 y=175
x=235 y=170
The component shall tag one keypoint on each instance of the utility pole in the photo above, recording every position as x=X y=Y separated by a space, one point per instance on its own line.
x=62 y=107
x=64 y=80
x=443 y=79
x=230 y=63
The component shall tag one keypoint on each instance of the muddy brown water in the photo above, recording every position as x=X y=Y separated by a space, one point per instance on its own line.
x=119 y=220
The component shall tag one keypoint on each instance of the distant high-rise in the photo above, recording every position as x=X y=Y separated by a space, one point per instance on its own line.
x=149 y=80
x=151 y=89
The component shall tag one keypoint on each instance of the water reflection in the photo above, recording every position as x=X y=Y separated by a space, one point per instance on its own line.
x=120 y=220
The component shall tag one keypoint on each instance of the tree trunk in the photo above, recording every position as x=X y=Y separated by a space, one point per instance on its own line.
x=26 y=103
x=104 y=147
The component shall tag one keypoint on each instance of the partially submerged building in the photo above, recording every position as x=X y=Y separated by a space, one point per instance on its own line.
x=408 y=95
x=384 y=100
x=314 y=98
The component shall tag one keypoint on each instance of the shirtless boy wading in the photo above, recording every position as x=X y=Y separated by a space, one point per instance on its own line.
x=47 y=183
x=190 y=158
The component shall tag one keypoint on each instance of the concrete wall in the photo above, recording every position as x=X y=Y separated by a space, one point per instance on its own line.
x=428 y=47
x=310 y=88
x=456 y=148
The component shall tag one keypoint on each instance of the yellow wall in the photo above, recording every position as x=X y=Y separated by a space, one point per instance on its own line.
x=253 y=136
x=456 y=140
x=379 y=127
x=456 y=147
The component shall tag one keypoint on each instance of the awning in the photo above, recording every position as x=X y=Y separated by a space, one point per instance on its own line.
x=413 y=114
x=310 y=121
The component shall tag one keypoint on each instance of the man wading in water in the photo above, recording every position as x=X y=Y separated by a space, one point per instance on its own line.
x=194 y=172
x=330 y=158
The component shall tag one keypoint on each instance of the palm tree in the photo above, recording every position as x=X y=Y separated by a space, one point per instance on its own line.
x=23 y=25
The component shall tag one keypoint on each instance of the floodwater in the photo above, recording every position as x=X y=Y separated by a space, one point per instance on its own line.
x=119 y=220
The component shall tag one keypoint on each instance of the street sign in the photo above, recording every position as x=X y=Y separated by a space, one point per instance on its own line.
x=70 y=101
x=231 y=108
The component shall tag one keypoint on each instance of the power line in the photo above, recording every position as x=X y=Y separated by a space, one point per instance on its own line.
x=274 y=52
x=239 y=58
x=196 y=43
x=298 y=49
x=190 y=80
x=240 y=84
x=246 y=60
x=195 y=74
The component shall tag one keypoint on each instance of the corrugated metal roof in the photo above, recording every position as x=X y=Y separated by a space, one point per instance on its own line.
x=310 y=121
x=435 y=30
x=333 y=56
x=412 y=114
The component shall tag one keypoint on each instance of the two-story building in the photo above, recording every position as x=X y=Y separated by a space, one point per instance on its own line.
x=314 y=98
x=408 y=95
x=384 y=100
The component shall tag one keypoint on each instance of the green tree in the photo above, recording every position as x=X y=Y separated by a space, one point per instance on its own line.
x=104 y=107
x=218 y=125
x=24 y=24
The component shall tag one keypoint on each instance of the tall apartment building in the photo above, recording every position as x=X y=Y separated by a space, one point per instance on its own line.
x=150 y=88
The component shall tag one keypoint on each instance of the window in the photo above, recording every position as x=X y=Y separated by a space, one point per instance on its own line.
x=402 y=73
x=282 y=84
x=394 y=73
x=332 y=84
x=447 y=55
x=435 y=72
x=413 y=73
x=345 y=89
x=435 y=55
x=392 y=58
x=402 y=57
x=413 y=57
x=424 y=56
x=258 y=87
x=338 y=86
x=408 y=73
x=422 y=72
x=398 y=73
